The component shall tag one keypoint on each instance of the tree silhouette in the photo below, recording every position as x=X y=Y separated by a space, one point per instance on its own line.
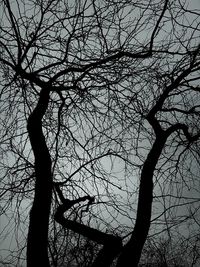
x=100 y=119
x=167 y=252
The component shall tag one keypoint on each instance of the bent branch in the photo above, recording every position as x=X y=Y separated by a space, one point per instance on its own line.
x=111 y=244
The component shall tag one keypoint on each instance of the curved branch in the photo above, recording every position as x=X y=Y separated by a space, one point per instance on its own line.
x=184 y=128
x=111 y=244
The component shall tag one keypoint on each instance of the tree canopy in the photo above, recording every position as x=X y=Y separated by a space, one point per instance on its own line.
x=99 y=128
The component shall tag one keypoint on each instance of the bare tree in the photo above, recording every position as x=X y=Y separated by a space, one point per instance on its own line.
x=171 y=252
x=99 y=122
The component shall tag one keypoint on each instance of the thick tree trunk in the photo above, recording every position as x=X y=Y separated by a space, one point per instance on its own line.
x=107 y=254
x=37 y=243
x=131 y=252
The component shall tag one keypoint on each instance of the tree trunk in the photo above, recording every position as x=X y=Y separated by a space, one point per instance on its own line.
x=107 y=254
x=37 y=243
x=131 y=252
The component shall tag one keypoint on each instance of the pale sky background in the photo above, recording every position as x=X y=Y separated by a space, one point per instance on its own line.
x=8 y=242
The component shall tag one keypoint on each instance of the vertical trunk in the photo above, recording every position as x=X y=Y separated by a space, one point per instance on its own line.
x=37 y=243
x=107 y=254
x=131 y=252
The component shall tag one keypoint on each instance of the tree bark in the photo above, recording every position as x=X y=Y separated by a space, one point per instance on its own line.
x=131 y=252
x=37 y=243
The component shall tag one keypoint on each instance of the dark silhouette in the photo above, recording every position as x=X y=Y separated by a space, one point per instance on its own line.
x=100 y=129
